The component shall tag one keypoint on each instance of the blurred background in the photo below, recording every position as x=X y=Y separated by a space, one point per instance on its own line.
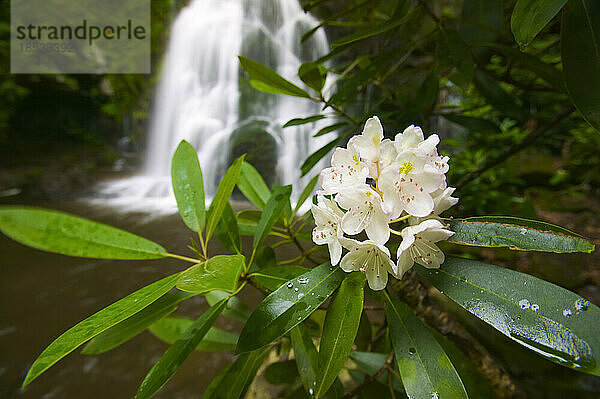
x=99 y=146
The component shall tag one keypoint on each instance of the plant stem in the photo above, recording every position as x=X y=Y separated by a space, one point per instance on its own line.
x=400 y=219
x=183 y=258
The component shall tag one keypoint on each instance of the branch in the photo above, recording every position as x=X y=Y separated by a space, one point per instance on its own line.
x=516 y=148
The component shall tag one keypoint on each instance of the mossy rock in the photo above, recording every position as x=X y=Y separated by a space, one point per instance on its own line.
x=259 y=146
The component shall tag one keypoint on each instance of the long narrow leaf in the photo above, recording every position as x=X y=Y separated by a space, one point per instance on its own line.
x=267 y=80
x=425 y=369
x=66 y=234
x=235 y=380
x=339 y=330
x=553 y=322
x=252 y=185
x=288 y=306
x=516 y=233
x=581 y=63
x=97 y=323
x=170 y=361
x=188 y=186
x=529 y=17
x=129 y=328
x=169 y=329
x=222 y=195
x=274 y=207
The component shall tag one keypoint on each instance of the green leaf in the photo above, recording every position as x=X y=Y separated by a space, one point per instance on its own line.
x=227 y=230
x=339 y=330
x=173 y=357
x=252 y=185
x=330 y=128
x=272 y=278
x=220 y=273
x=581 y=62
x=475 y=384
x=545 y=71
x=473 y=124
x=306 y=193
x=188 y=186
x=265 y=257
x=551 y=321
x=303 y=121
x=235 y=309
x=425 y=369
x=516 y=233
x=307 y=359
x=315 y=157
x=279 y=373
x=66 y=234
x=497 y=97
x=285 y=308
x=247 y=221
x=428 y=92
x=364 y=335
x=169 y=329
x=481 y=20
x=271 y=213
x=453 y=52
x=377 y=29
x=529 y=17
x=234 y=381
x=97 y=323
x=129 y=328
x=217 y=206
x=313 y=74
x=265 y=79
x=371 y=362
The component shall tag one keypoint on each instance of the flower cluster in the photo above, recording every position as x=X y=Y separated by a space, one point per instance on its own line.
x=374 y=183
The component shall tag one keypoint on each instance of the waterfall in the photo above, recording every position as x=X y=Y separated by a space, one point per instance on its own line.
x=204 y=98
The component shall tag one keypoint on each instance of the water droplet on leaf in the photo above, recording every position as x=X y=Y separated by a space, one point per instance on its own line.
x=290 y=285
x=412 y=351
x=303 y=280
x=524 y=304
x=535 y=307
x=567 y=312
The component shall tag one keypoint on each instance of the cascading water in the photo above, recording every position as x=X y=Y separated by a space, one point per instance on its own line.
x=201 y=98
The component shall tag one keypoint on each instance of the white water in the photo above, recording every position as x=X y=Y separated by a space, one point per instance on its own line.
x=198 y=97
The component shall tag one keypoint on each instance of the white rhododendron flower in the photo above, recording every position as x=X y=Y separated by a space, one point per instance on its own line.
x=373 y=183
x=347 y=170
x=327 y=219
x=369 y=141
x=365 y=212
x=371 y=258
x=418 y=245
